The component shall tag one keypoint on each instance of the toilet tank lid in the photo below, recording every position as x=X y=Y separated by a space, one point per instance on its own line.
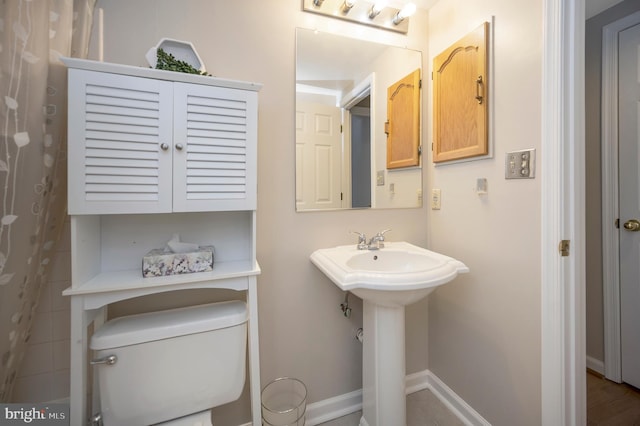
x=147 y=327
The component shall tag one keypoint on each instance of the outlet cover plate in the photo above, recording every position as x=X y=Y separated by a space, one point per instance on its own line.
x=436 y=199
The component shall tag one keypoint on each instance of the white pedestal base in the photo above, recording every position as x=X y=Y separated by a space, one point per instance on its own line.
x=383 y=366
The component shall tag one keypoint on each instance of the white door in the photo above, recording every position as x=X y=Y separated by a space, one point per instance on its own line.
x=318 y=156
x=629 y=149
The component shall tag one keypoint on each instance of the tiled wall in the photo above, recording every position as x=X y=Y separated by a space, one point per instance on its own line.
x=44 y=375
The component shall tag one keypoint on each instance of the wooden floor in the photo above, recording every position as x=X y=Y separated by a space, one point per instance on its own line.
x=610 y=403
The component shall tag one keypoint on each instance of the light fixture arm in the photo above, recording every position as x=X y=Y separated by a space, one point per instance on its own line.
x=347 y=5
x=376 y=8
x=408 y=10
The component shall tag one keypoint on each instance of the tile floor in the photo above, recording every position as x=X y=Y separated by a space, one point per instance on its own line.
x=423 y=409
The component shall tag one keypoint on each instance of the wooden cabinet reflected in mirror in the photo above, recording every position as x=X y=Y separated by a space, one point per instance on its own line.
x=403 y=122
x=460 y=102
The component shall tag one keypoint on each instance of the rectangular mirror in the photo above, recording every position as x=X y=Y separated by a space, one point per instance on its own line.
x=342 y=90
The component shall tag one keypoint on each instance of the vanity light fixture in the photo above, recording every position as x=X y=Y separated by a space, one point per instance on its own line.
x=408 y=10
x=373 y=13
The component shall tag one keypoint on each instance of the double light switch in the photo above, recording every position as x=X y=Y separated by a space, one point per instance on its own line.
x=520 y=164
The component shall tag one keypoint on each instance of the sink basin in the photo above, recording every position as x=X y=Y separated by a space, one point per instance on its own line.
x=396 y=275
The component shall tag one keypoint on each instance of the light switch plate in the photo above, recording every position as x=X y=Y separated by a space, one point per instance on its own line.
x=520 y=164
x=380 y=178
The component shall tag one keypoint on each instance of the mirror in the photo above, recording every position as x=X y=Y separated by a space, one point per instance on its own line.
x=342 y=88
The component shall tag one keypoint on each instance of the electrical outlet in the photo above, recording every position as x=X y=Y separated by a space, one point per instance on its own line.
x=481 y=186
x=436 y=197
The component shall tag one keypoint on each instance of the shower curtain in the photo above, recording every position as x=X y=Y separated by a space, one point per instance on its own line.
x=34 y=34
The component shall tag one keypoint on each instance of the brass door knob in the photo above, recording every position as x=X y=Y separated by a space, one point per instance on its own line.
x=632 y=225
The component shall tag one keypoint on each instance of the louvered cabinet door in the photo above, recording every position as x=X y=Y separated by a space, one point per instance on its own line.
x=119 y=144
x=215 y=129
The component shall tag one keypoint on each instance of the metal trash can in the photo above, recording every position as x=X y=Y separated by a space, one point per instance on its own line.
x=284 y=402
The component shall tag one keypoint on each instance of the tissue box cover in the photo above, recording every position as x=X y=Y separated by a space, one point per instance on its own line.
x=158 y=262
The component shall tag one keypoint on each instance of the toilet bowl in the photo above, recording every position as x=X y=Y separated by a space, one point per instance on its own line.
x=170 y=367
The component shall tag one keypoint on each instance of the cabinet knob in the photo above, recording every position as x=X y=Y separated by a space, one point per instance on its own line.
x=179 y=146
x=164 y=146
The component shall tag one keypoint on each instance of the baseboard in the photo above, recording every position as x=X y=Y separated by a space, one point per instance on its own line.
x=454 y=403
x=417 y=381
x=341 y=405
x=332 y=408
x=595 y=365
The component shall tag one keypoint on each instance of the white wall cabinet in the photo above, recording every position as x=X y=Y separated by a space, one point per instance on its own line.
x=144 y=145
x=153 y=153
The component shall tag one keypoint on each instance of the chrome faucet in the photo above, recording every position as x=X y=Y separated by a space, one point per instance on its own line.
x=375 y=243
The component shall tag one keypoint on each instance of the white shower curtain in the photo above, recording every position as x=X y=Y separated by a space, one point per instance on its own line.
x=34 y=34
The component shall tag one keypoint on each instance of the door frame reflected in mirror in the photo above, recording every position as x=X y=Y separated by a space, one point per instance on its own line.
x=358 y=124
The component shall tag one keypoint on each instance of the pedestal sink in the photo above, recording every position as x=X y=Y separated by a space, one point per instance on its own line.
x=387 y=280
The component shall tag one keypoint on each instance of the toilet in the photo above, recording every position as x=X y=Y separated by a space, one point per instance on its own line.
x=170 y=367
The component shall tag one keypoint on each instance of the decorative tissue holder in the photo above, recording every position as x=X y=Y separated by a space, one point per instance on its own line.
x=160 y=262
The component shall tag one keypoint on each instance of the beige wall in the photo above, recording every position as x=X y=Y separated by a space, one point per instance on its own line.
x=302 y=331
x=485 y=328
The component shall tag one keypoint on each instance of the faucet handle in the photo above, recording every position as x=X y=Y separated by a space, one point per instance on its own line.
x=361 y=237
x=381 y=233
x=362 y=240
x=377 y=241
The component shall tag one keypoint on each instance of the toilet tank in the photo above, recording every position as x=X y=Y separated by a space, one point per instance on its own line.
x=170 y=363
